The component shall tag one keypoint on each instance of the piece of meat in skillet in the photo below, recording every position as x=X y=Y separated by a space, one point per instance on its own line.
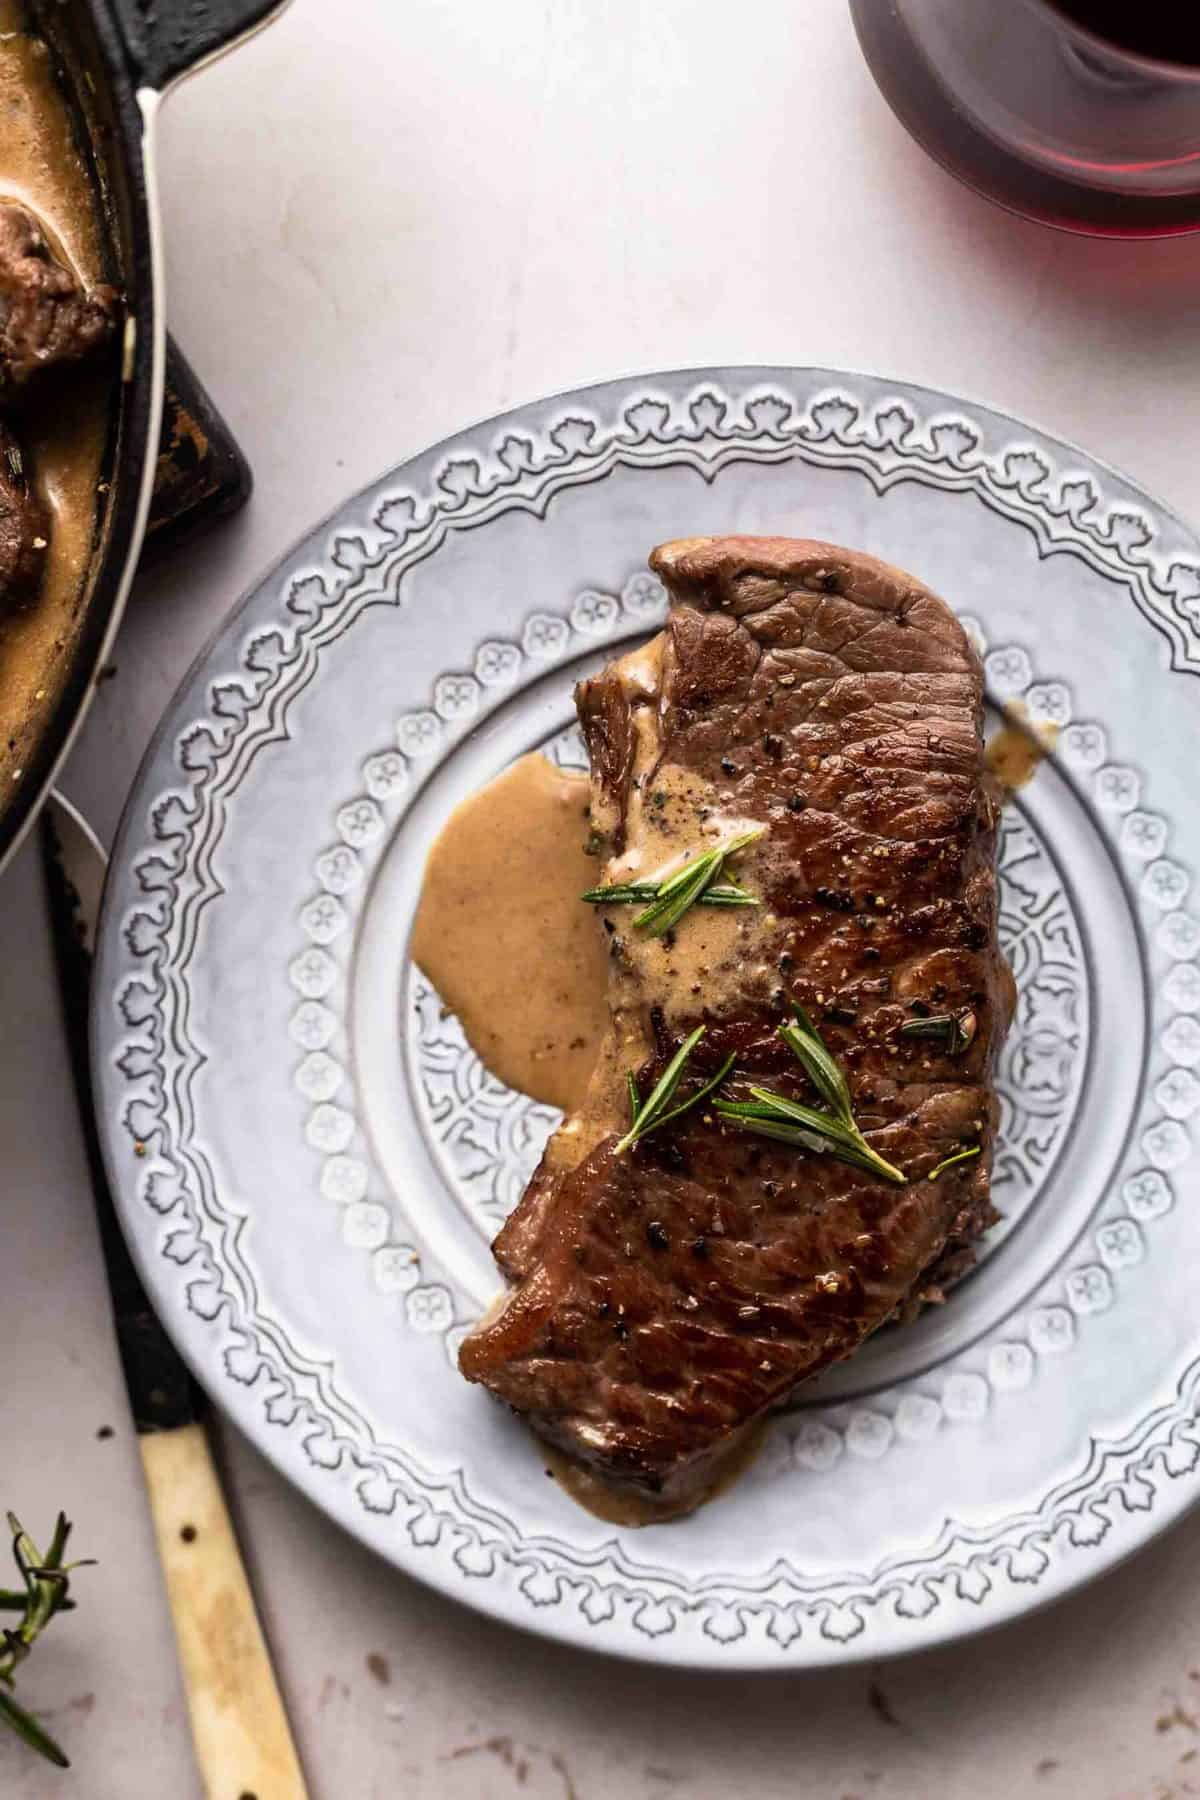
x=23 y=529
x=667 y=1296
x=47 y=319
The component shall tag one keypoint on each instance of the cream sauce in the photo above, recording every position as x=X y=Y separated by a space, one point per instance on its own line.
x=673 y=816
x=504 y=938
x=40 y=165
x=552 y=1002
x=712 y=956
x=1014 y=754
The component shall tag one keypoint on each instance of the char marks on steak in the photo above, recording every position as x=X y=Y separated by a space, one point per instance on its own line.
x=47 y=319
x=665 y=1298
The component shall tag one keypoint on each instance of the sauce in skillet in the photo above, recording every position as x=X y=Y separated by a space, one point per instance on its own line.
x=63 y=439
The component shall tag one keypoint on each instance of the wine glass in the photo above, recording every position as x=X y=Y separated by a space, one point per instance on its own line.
x=1033 y=105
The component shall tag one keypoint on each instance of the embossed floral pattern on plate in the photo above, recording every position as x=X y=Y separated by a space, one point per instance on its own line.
x=297 y=1275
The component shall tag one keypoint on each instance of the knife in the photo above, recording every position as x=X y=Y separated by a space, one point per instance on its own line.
x=243 y=1742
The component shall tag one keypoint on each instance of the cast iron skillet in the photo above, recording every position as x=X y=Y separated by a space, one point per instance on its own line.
x=115 y=59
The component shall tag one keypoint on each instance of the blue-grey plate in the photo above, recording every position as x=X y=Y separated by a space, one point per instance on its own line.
x=310 y=1163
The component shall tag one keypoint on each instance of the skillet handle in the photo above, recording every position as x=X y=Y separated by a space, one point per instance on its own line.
x=166 y=39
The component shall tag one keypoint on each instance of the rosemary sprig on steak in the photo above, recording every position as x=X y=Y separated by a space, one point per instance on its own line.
x=649 y=1114
x=954 y=1033
x=832 y=1132
x=692 y=883
x=625 y=893
x=948 y=1162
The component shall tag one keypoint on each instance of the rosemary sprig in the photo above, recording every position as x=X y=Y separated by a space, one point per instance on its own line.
x=833 y=1132
x=656 y=1110
x=948 y=1162
x=693 y=883
x=44 y=1594
x=626 y=893
x=955 y=1033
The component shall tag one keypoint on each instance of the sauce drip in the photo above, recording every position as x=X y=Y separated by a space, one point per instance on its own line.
x=1014 y=754
x=63 y=438
x=502 y=935
x=622 y=1506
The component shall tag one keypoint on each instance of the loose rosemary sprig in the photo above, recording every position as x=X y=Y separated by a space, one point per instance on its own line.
x=948 y=1162
x=45 y=1593
x=833 y=1132
x=656 y=1110
x=693 y=883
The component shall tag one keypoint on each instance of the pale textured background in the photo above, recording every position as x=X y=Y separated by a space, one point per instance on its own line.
x=383 y=222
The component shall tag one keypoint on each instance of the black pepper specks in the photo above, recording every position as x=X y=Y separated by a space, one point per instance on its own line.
x=837 y=899
x=656 y=1236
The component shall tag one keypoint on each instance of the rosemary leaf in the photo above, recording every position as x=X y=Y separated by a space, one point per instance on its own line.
x=46 y=1581
x=776 y=1116
x=833 y=1133
x=822 y=1069
x=953 y=1033
x=58 y=1543
x=635 y=1099
x=24 y=1550
x=960 y=1156
x=697 y=882
x=27 y=1728
x=677 y=897
x=727 y=893
x=701 y=1093
x=784 y=1133
x=654 y=1112
x=768 y=1123
x=811 y=1117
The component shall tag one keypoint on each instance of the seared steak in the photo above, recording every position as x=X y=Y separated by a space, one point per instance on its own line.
x=46 y=318
x=667 y=1296
x=23 y=528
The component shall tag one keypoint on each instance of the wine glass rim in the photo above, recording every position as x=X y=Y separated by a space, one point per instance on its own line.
x=1096 y=40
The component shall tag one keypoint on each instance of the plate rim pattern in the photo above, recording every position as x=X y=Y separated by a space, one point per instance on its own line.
x=165 y=861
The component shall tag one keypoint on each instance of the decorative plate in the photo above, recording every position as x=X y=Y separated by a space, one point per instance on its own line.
x=310 y=1163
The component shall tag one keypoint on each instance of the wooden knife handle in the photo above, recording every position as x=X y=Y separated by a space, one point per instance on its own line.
x=243 y=1741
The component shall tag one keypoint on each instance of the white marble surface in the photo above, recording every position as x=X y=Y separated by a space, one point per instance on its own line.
x=383 y=222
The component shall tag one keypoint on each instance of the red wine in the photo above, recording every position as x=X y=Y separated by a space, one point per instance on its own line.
x=1166 y=29
x=1091 y=145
